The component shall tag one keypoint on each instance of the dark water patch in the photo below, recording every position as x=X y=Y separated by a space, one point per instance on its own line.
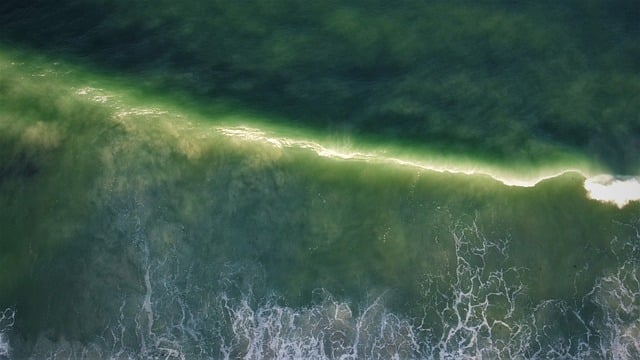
x=19 y=167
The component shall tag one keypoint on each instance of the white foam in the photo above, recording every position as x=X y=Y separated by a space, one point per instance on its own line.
x=7 y=319
x=4 y=347
x=613 y=189
x=94 y=94
x=214 y=325
x=325 y=331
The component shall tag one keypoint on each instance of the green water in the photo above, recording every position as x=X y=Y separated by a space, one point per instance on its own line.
x=226 y=180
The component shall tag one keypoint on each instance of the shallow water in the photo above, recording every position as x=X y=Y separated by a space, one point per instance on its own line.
x=142 y=219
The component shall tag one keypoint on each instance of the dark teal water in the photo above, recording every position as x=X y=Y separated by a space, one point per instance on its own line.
x=324 y=180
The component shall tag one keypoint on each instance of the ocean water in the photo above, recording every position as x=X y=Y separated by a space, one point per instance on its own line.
x=335 y=180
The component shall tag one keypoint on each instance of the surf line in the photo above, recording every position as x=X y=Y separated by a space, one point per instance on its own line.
x=618 y=190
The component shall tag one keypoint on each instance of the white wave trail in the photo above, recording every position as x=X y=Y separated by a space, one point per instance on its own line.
x=619 y=190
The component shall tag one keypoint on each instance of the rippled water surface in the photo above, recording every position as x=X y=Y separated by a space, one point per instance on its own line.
x=335 y=180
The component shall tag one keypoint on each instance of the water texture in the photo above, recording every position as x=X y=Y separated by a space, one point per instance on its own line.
x=335 y=180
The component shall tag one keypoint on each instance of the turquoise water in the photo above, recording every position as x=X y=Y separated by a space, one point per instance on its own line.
x=214 y=185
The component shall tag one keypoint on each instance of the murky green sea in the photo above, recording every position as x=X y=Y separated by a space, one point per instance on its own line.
x=209 y=179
